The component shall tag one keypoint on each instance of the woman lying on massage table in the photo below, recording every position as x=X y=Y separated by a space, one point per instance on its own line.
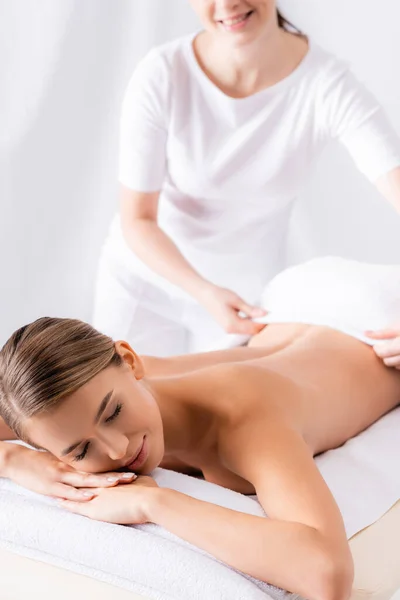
x=249 y=418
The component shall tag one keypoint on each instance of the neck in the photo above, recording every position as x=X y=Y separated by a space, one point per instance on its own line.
x=259 y=56
x=184 y=424
x=245 y=70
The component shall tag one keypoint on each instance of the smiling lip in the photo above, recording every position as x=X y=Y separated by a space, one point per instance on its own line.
x=140 y=457
x=243 y=18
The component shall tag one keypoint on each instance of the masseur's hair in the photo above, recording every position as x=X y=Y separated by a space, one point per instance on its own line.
x=47 y=361
x=285 y=24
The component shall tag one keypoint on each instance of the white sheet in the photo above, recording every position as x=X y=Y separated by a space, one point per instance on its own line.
x=363 y=476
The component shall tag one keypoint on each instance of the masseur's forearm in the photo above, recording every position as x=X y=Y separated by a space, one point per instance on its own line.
x=292 y=556
x=159 y=252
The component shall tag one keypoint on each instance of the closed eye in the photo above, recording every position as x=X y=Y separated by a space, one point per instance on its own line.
x=111 y=418
x=82 y=455
x=115 y=414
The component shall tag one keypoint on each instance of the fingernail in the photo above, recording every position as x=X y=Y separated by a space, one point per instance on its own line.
x=87 y=494
x=128 y=475
x=113 y=479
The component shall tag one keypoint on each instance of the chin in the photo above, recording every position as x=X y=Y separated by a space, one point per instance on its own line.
x=243 y=40
x=156 y=455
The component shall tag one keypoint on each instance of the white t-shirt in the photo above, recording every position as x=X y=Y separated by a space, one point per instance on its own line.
x=230 y=169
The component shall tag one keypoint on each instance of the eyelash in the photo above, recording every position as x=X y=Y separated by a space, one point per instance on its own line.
x=82 y=455
x=111 y=418
x=115 y=413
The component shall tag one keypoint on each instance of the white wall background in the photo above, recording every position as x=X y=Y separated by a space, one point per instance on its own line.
x=63 y=69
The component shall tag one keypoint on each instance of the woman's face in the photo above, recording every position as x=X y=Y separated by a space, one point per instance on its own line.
x=105 y=424
x=239 y=21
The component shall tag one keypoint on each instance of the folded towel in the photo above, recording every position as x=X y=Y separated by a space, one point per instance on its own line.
x=363 y=476
x=145 y=559
x=331 y=291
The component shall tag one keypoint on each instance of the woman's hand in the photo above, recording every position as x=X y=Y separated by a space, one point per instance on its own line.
x=388 y=350
x=43 y=473
x=225 y=306
x=123 y=505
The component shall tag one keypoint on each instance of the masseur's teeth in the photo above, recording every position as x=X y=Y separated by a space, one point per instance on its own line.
x=231 y=22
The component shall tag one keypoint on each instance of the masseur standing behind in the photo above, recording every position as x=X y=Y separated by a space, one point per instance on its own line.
x=219 y=130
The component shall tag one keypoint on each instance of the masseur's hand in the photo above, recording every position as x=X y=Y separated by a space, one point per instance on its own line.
x=389 y=349
x=225 y=306
x=43 y=473
x=123 y=505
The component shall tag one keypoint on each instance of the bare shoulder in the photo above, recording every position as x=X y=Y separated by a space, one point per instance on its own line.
x=235 y=396
x=273 y=456
x=254 y=385
x=179 y=365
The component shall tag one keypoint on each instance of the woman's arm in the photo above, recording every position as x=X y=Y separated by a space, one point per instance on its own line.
x=301 y=547
x=293 y=550
x=389 y=186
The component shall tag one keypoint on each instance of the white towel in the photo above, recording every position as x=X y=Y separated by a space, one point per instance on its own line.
x=346 y=295
x=363 y=476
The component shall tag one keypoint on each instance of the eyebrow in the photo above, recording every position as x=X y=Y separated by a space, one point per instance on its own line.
x=102 y=408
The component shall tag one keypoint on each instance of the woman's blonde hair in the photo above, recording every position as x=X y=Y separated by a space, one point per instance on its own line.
x=47 y=361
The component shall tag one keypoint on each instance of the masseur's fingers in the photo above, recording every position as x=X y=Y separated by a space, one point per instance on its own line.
x=244 y=324
x=247 y=327
x=79 y=479
x=389 y=349
x=251 y=311
x=384 y=334
x=393 y=361
x=230 y=310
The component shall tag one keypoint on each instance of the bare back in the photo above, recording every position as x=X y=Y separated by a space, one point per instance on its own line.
x=328 y=385
x=347 y=387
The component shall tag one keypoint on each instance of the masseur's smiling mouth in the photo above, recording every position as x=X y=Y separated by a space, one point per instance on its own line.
x=236 y=22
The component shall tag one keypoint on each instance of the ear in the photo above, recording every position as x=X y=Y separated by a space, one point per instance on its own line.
x=130 y=358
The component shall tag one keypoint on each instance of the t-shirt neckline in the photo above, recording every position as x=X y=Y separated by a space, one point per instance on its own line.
x=271 y=89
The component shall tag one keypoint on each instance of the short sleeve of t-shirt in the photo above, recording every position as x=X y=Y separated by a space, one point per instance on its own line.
x=143 y=126
x=354 y=117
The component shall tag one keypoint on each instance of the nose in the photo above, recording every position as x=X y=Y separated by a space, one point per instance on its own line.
x=116 y=446
x=227 y=4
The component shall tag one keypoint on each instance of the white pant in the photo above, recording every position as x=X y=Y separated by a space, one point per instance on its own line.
x=150 y=319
